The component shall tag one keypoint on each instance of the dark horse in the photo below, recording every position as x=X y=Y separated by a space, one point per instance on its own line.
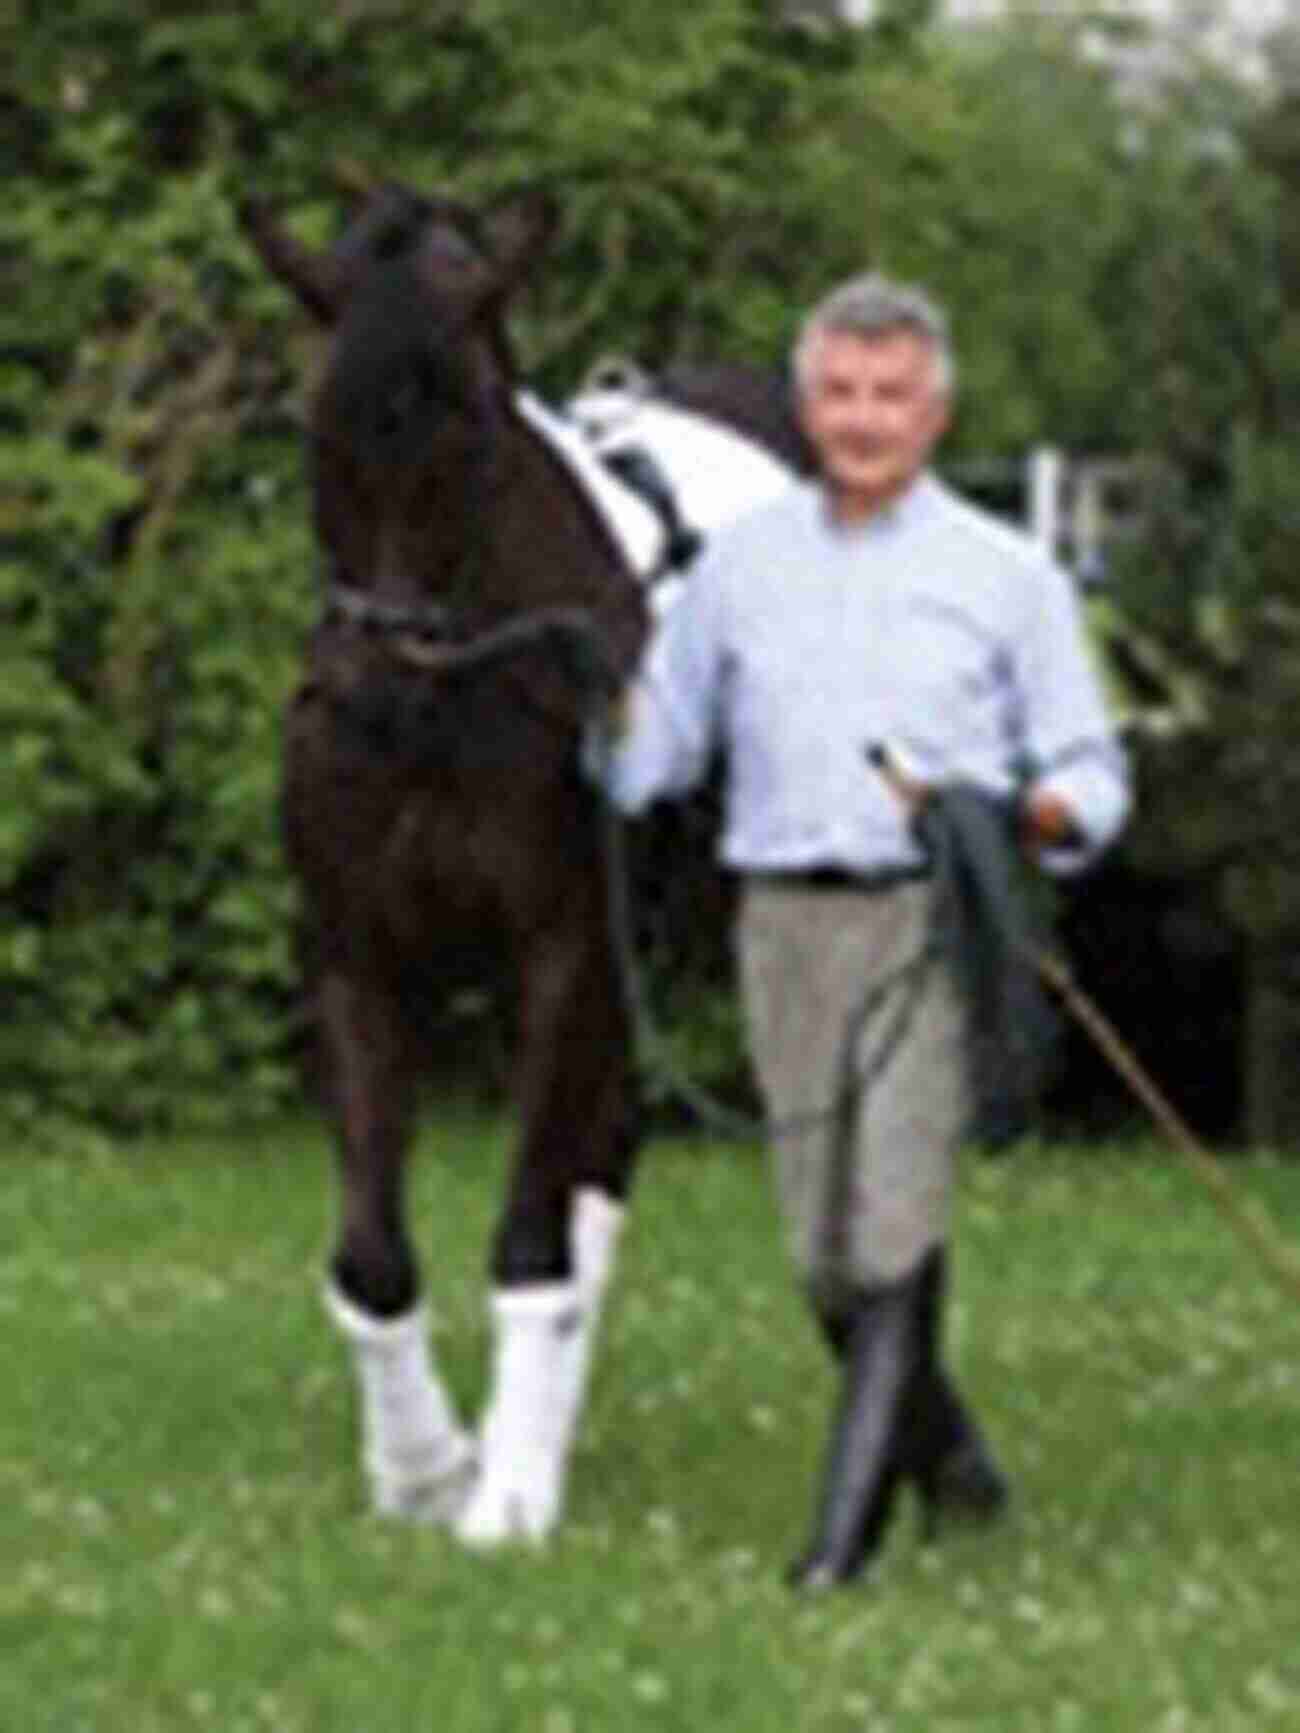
x=434 y=804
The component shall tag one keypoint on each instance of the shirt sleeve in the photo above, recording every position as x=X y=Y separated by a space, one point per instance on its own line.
x=1068 y=737
x=669 y=725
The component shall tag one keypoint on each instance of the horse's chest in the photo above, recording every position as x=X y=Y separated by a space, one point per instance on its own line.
x=418 y=847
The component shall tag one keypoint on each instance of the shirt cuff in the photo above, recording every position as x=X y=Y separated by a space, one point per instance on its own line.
x=1098 y=799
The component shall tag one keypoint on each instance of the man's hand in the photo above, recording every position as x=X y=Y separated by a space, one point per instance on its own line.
x=1046 y=822
x=900 y=777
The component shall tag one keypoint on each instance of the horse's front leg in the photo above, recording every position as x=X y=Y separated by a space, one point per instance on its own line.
x=417 y=1458
x=556 y=1245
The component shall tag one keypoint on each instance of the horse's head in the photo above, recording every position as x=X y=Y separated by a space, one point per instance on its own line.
x=406 y=421
x=411 y=465
x=407 y=429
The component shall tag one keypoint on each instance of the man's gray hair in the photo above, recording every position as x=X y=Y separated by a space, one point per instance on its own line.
x=874 y=306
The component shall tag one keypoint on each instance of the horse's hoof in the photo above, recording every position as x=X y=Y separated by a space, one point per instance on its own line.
x=434 y=1500
x=503 y=1516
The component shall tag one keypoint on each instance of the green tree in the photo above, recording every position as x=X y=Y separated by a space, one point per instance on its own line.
x=1216 y=577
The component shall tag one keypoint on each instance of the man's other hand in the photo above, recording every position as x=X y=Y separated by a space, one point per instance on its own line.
x=1046 y=822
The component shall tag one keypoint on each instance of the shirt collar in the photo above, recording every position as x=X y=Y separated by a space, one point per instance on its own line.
x=909 y=509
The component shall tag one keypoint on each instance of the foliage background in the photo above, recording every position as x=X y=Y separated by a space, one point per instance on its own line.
x=1116 y=269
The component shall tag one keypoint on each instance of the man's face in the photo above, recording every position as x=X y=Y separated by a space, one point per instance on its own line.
x=873 y=409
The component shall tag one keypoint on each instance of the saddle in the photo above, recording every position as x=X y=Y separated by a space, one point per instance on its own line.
x=663 y=478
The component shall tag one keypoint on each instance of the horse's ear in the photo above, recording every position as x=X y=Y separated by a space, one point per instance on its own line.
x=356 y=186
x=312 y=276
x=516 y=230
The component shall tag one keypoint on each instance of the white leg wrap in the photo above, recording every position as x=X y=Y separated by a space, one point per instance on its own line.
x=594 y=1231
x=417 y=1457
x=543 y=1338
x=596 y=1226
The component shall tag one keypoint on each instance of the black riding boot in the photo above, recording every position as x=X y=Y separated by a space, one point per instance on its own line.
x=940 y=1448
x=881 y=1334
x=944 y=1451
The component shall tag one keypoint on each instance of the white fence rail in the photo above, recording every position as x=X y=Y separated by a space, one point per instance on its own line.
x=1077 y=509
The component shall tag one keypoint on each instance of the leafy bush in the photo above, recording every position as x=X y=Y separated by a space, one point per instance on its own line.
x=718 y=169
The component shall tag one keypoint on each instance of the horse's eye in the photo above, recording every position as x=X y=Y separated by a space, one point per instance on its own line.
x=392 y=239
x=446 y=247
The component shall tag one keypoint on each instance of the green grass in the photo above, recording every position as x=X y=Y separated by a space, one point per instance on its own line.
x=184 y=1544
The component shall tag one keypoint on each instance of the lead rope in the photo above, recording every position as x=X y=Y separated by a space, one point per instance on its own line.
x=904 y=984
x=595 y=669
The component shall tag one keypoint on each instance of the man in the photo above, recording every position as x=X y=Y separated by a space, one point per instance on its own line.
x=870 y=607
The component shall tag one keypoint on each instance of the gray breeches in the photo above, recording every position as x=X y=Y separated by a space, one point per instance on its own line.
x=866 y=1191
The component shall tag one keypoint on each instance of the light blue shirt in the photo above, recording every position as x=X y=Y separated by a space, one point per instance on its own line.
x=797 y=642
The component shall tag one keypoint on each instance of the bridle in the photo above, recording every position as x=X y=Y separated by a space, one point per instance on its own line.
x=445 y=637
x=347 y=606
x=441 y=639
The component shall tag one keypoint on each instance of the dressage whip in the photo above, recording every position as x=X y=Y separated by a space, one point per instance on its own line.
x=1275 y=1252
x=960 y=826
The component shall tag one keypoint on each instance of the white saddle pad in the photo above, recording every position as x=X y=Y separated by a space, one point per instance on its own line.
x=636 y=525
x=715 y=474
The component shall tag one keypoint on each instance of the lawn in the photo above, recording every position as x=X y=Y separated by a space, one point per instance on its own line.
x=185 y=1544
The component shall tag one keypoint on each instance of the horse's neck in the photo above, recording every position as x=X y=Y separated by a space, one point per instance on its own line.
x=637 y=528
x=519 y=529
x=555 y=545
x=546 y=514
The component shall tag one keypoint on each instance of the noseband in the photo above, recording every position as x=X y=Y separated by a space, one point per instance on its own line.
x=435 y=637
x=345 y=606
